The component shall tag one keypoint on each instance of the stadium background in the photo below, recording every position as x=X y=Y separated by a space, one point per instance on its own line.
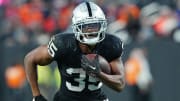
x=151 y=24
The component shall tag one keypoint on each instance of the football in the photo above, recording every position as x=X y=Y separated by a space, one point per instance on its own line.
x=104 y=65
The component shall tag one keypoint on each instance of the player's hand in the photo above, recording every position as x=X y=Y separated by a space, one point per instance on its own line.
x=91 y=67
x=39 y=98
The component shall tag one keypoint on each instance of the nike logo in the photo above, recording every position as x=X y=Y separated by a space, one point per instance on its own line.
x=92 y=67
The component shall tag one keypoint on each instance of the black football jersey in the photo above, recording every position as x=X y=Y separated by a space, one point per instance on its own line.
x=66 y=52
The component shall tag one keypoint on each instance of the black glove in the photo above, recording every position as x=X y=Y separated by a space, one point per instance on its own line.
x=92 y=67
x=39 y=98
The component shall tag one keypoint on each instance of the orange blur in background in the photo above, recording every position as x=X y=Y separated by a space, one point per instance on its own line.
x=15 y=76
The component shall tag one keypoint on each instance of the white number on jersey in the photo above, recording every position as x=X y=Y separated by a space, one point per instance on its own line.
x=52 y=48
x=81 y=80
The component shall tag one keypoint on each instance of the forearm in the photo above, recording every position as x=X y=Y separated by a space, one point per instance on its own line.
x=116 y=82
x=38 y=56
x=31 y=73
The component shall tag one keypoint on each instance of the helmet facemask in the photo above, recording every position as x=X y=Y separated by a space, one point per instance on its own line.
x=90 y=31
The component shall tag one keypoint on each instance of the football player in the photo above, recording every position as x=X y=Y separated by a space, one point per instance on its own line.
x=80 y=82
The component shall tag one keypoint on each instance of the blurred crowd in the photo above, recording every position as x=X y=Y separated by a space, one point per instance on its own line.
x=28 y=23
x=23 y=21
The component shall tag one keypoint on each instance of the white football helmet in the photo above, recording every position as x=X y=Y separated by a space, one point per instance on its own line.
x=89 y=23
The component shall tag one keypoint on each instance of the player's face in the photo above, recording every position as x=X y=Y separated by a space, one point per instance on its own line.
x=92 y=29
